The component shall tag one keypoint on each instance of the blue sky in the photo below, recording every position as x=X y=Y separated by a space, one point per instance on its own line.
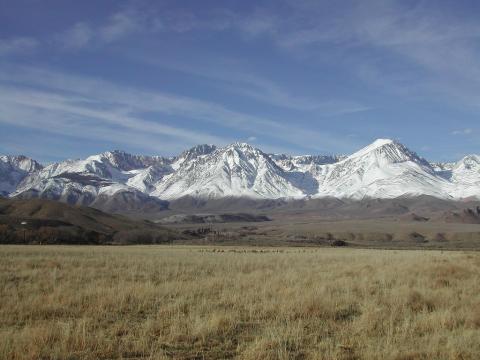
x=293 y=76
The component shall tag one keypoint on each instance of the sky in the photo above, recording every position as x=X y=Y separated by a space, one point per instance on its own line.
x=287 y=76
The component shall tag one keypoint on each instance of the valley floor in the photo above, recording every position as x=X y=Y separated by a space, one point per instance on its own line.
x=189 y=302
x=306 y=229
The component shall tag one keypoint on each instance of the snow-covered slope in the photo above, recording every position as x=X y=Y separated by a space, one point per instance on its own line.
x=13 y=169
x=236 y=170
x=443 y=169
x=106 y=174
x=465 y=174
x=192 y=154
x=383 y=169
x=303 y=162
x=467 y=170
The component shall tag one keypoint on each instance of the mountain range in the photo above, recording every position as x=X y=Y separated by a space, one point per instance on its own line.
x=117 y=180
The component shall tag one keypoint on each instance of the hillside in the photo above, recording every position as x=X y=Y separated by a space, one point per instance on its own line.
x=45 y=221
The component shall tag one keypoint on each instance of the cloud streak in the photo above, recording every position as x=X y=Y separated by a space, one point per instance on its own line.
x=259 y=88
x=439 y=47
x=114 y=28
x=95 y=101
x=17 y=45
x=467 y=131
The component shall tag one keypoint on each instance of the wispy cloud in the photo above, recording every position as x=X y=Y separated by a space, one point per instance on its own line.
x=83 y=34
x=95 y=101
x=17 y=45
x=116 y=26
x=439 y=50
x=77 y=37
x=442 y=47
x=439 y=47
x=77 y=117
x=71 y=106
x=258 y=87
x=120 y=24
x=467 y=131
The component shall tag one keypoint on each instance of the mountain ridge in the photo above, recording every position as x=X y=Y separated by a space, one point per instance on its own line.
x=116 y=179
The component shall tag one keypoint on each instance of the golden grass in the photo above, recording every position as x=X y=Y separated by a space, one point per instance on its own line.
x=164 y=302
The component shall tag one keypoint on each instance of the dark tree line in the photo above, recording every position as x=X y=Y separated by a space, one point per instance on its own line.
x=75 y=235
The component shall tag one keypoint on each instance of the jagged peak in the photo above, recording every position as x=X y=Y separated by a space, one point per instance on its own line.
x=244 y=147
x=117 y=151
x=114 y=155
x=21 y=161
x=124 y=154
x=194 y=153
x=123 y=160
x=471 y=157
x=468 y=162
x=383 y=168
x=203 y=146
x=200 y=149
x=239 y=144
x=16 y=157
x=11 y=157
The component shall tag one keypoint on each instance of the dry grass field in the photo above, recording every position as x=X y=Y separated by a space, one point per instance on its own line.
x=162 y=302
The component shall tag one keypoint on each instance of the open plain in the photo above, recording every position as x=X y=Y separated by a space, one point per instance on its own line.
x=201 y=302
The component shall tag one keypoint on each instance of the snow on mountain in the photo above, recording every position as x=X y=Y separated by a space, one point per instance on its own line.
x=236 y=170
x=465 y=174
x=116 y=166
x=70 y=188
x=13 y=169
x=443 y=169
x=467 y=170
x=303 y=162
x=82 y=181
x=383 y=169
x=144 y=179
x=306 y=171
x=192 y=154
x=81 y=189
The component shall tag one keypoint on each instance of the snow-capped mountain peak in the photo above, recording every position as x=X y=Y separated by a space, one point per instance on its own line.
x=389 y=151
x=378 y=143
x=13 y=169
x=469 y=162
x=236 y=170
x=125 y=161
x=466 y=174
x=383 y=169
x=243 y=150
x=21 y=162
x=304 y=163
x=192 y=154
